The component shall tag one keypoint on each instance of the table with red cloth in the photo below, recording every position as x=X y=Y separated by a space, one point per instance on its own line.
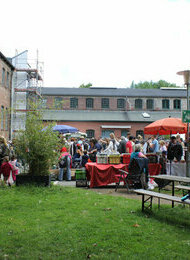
x=104 y=174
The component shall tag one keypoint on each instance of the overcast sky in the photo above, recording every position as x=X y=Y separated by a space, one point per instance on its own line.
x=109 y=43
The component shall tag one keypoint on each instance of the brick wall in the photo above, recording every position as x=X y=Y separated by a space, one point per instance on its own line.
x=5 y=99
x=96 y=126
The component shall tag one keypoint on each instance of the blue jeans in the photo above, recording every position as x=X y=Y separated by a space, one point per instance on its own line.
x=67 y=170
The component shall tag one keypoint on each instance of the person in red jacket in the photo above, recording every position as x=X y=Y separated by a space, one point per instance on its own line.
x=65 y=156
x=6 y=168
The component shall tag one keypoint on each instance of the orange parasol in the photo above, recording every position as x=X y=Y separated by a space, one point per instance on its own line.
x=166 y=126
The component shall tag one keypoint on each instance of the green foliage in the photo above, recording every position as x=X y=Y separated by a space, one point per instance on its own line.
x=37 y=148
x=152 y=85
x=86 y=86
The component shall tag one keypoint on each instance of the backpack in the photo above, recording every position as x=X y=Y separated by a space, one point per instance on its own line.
x=63 y=162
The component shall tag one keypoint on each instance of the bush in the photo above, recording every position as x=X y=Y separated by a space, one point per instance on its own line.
x=37 y=147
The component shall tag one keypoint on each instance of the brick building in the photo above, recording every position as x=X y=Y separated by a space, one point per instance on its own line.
x=99 y=111
x=6 y=71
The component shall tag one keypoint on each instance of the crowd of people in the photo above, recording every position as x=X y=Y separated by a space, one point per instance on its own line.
x=82 y=150
x=79 y=151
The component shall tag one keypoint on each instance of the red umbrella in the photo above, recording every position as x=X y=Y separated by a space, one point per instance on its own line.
x=166 y=126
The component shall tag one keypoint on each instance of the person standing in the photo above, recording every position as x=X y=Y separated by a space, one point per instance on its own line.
x=154 y=145
x=122 y=145
x=65 y=162
x=129 y=146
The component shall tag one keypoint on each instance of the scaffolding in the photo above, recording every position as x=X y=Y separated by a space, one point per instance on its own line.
x=27 y=82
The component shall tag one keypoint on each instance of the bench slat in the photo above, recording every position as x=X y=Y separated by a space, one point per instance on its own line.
x=182 y=187
x=161 y=196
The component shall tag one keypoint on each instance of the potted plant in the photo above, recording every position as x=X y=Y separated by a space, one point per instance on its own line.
x=37 y=148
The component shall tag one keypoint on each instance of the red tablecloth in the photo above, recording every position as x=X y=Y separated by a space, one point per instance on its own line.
x=104 y=174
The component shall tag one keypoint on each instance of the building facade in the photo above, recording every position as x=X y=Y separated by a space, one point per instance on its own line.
x=6 y=72
x=99 y=111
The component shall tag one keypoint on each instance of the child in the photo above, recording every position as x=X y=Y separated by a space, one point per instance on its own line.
x=6 y=168
x=14 y=164
x=85 y=158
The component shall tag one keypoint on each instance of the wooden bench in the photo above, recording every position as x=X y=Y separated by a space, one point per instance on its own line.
x=184 y=188
x=158 y=195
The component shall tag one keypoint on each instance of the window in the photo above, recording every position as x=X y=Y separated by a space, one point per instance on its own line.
x=106 y=133
x=165 y=104
x=3 y=76
x=140 y=132
x=89 y=103
x=138 y=103
x=90 y=133
x=74 y=103
x=150 y=104
x=105 y=102
x=58 y=102
x=6 y=120
x=177 y=104
x=121 y=103
x=8 y=79
x=2 y=118
x=124 y=132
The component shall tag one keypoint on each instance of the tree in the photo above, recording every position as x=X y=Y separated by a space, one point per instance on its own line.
x=151 y=85
x=86 y=86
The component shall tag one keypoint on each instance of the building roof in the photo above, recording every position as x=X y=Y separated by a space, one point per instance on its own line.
x=107 y=116
x=112 y=92
x=6 y=60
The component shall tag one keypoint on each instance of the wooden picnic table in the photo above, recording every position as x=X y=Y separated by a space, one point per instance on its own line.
x=172 y=179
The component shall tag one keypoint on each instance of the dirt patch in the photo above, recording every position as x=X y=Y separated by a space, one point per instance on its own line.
x=123 y=193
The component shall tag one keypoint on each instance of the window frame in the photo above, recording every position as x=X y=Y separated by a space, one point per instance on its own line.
x=2 y=117
x=148 y=107
x=119 y=102
x=140 y=105
x=179 y=103
x=90 y=131
x=105 y=103
x=3 y=77
x=74 y=103
x=89 y=101
x=164 y=103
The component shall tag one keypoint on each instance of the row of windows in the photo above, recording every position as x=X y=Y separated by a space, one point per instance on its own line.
x=105 y=103
x=106 y=133
x=4 y=118
x=5 y=78
x=121 y=103
x=150 y=104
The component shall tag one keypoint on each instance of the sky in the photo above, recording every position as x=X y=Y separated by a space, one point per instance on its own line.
x=109 y=43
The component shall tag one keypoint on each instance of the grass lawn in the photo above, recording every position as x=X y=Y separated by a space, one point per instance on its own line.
x=74 y=223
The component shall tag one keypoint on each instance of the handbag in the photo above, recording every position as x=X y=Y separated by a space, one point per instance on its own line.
x=10 y=179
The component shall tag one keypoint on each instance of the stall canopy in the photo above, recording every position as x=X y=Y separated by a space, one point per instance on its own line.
x=166 y=126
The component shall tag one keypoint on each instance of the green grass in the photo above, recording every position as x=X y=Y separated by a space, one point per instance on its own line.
x=73 y=223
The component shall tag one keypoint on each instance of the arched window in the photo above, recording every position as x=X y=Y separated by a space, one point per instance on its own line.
x=2 y=117
x=73 y=102
x=121 y=103
x=165 y=104
x=138 y=103
x=90 y=133
x=150 y=104
x=89 y=103
x=105 y=103
x=177 y=104
x=140 y=132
